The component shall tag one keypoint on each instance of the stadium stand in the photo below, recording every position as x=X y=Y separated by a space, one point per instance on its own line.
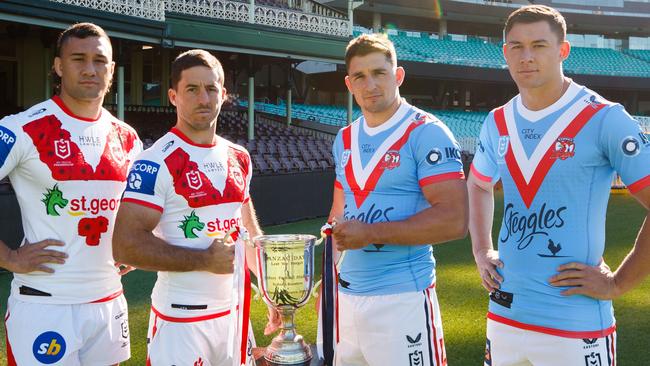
x=477 y=52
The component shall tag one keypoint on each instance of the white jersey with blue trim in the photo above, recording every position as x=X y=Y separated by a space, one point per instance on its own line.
x=68 y=173
x=557 y=166
x=381 y=171
x=199 y=190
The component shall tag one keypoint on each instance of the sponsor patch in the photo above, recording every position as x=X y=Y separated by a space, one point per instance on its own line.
x=49 y=347
x=434 y=157
x=502 y=298
x=7 y=141
x=142 y=177
x=168 y=145
x=630 y=146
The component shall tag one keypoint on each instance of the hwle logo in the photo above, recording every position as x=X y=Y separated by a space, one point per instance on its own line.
x=49 y=347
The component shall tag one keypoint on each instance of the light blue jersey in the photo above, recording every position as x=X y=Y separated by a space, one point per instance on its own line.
x=557 y=166
x=381 y=171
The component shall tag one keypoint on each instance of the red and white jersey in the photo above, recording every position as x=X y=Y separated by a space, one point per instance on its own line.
x=68 y=173
x=200 y=190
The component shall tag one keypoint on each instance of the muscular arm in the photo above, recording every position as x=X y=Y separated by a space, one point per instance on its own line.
x=445 y=220
x=598 y=281
x=135 y=244
x=481 y=217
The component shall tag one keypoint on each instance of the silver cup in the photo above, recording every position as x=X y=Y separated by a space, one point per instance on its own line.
x=285 y=266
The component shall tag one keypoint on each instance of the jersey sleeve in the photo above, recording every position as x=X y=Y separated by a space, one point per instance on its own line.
x=11 y=151
x=146 y=184
x=337 y=151
x=484 y=166
x=437 y=155
x=627 y=148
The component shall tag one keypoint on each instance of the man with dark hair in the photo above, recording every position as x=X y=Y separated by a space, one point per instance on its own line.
x=555 y=147
x=399 y=189
x=192 y=189
x=68 y=159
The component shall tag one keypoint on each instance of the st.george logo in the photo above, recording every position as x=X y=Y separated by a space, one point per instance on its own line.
x=49 y=347
x=194 y=179
x=62 y=148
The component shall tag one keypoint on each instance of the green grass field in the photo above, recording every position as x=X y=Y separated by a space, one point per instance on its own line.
x=463 y=300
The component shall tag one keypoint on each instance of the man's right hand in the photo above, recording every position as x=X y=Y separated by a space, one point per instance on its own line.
x=487 y=263
x=221 y=257
x=33 y=257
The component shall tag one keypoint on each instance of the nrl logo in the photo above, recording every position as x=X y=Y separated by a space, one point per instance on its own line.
x=62 y=148
x=503 y=145
x=345 y=157
x=194 y=179
x=116 y=152
x=563 y=148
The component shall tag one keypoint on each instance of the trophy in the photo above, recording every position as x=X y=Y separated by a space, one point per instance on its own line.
x=285 y=265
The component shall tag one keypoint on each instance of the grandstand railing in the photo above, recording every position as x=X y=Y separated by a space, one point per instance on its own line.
x=283 y=18
x=147 y=9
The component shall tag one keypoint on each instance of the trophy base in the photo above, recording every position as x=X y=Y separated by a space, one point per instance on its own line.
x=283 y=352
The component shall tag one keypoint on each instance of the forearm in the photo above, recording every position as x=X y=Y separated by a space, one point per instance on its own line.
x=480 y=218
x=254 y=230
x=5 y=253
x=143 y=250
x=434 y=225
x=634 y=267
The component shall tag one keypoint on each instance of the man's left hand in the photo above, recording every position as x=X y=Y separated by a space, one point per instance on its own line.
x=593 y=281
x=352 y=234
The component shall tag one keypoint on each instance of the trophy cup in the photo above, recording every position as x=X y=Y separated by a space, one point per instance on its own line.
x=285 y=266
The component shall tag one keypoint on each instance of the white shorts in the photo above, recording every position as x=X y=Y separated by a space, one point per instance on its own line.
x=95 y=334
x=191 y=341
x=398 y=330
x=511 y=346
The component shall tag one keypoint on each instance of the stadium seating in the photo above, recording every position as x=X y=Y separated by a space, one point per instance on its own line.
x=423 y=47
x=605 y=61
x=277 y=149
